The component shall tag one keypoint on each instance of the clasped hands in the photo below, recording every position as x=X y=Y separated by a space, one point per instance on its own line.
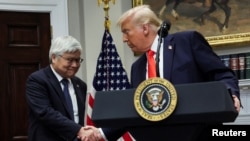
x=89 y=133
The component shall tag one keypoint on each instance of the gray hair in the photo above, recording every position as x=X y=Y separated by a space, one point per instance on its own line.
x=141 y=15
x=64 y=44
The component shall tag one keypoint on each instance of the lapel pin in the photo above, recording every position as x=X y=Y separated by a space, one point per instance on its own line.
x=169 y=47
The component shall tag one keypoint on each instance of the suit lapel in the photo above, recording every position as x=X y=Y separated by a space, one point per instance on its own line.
x=54 y=82
x=142 y=73
x=56 y=85
x=169 y=48
x=139 y=71
x=78 y=91
x=80 y=100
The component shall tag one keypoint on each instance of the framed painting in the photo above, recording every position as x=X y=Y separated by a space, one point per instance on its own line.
x=222 y=22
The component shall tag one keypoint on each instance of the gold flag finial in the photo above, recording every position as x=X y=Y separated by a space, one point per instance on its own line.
x=106 y=8
x=137 y=2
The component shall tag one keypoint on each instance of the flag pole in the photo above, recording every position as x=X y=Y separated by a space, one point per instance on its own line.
x=108 y=43
x=107 y=22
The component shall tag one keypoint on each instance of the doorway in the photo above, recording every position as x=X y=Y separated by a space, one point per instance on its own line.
x=24 y=46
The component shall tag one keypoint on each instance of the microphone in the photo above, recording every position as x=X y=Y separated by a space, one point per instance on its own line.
x=162 y=32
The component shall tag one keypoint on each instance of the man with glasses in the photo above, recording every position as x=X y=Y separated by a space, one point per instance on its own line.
x=56 y=97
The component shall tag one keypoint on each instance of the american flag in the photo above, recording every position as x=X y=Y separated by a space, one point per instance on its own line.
x=110 y=75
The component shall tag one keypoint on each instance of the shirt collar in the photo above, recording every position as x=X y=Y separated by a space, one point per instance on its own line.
x=155 y=44
x=58 y=76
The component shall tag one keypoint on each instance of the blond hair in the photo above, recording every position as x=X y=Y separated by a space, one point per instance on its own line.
x=140 y=15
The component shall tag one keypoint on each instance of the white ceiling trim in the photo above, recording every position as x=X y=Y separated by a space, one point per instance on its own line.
x=57 y=8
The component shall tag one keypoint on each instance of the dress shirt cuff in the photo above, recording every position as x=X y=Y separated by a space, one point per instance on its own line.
x=103 y=135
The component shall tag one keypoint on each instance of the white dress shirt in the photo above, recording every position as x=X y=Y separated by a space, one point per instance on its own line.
x=154 y=48
x=72 y=95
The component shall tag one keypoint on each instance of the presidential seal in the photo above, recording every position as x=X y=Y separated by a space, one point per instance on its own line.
x=155 y=99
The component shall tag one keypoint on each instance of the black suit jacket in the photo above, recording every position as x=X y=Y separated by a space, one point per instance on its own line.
x=49 y=118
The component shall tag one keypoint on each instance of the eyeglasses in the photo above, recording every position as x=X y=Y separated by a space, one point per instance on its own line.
x=71 y=60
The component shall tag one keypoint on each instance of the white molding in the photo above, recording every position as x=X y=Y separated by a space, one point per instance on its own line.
x=57 y=8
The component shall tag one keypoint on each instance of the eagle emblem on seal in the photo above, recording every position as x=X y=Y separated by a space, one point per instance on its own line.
x=155 y=100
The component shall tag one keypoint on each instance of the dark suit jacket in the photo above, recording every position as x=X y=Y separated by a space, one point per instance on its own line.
x=188 y=58
x=49 y=118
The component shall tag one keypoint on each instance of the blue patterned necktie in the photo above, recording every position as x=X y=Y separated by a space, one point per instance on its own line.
x=65 y=83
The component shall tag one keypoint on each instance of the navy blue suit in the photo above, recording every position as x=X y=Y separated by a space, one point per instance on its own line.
x=49 y=118
x=188 y=58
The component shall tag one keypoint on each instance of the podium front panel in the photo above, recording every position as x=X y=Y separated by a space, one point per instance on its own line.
x=208 y=102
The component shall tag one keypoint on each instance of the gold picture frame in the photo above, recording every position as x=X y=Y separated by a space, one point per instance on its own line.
x=237 y=34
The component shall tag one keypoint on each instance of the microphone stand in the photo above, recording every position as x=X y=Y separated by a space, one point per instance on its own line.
x=157 y=57
x=163 y=32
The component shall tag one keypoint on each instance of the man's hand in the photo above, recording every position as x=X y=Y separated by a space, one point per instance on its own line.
x=96 y=131
x=236 y=103
x=89 y=133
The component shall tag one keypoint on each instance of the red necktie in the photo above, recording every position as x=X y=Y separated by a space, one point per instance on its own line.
x=151 y=64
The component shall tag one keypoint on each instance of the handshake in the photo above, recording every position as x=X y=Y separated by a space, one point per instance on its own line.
x=89 y=133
